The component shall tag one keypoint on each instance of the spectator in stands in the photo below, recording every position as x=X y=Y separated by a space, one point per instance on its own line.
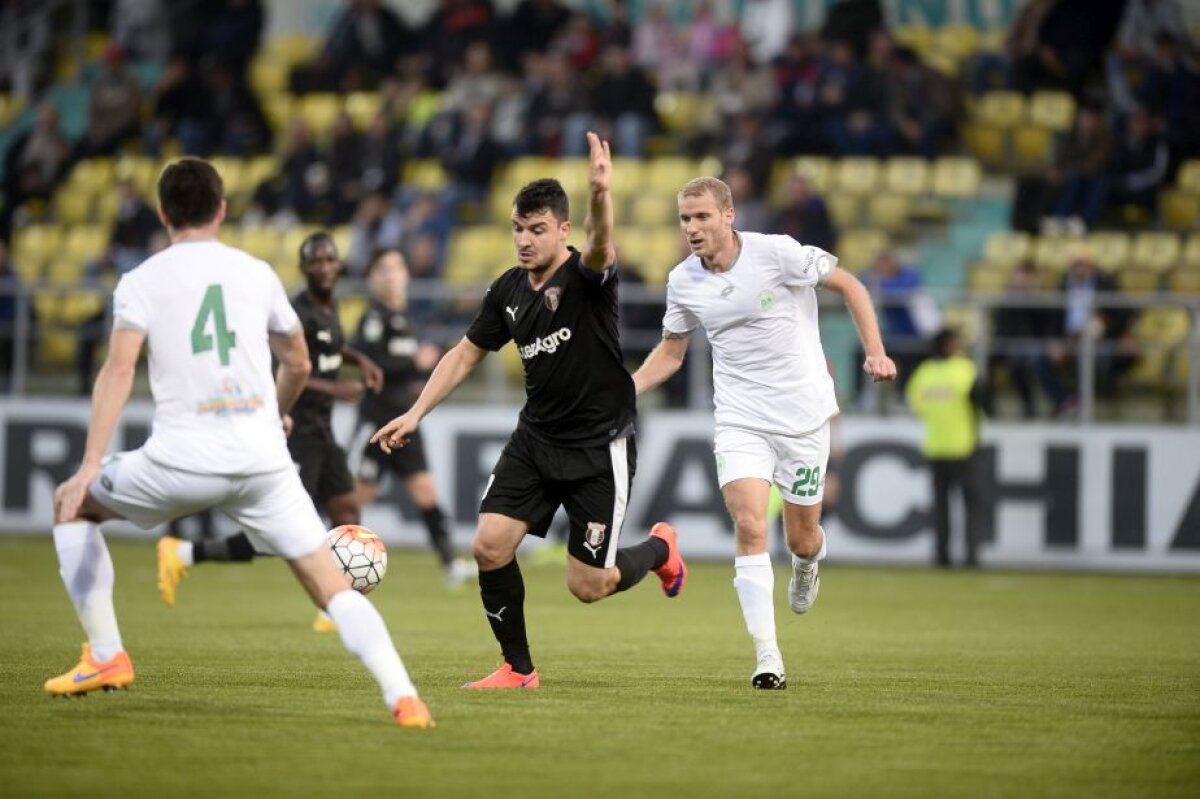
x=745 y=146
x=534 y=24
x=853 y=21
x=134 y=228
x=1140 y=162
x=1110 y=327
x=377 y=225
x=656 y=46
x=142 y=28
x=805 y=217
x=765 y=26
x=581 y=41
x=795 y=120
x=219 y=115
x=303 y=176
x=34 y=163
x=1070 y=38
x=478 y=81
x=752 y=211
x=1024 y=337
x=469 y=158
x=1080 y=169
x=362 y=47
x=1171 y=91
x=11 y=298
x=905 y=316
x=555 y=97
x=115 y=108
x=742 y=88
x=379 y=160
x=853 y=105
x=230 y=31
x=924 y=104
x=344 y=159
x=709 y=42
x=620 y=107
x=451 y=30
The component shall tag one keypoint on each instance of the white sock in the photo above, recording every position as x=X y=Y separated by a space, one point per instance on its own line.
x=87 y=572
x=366 y=636
x=755 y=584
x=799 y=561
x=186 y=552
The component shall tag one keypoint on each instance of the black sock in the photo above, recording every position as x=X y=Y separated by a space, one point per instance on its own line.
x=439 y=537
x=503 y=593
x=235 y=549
x=638 y=559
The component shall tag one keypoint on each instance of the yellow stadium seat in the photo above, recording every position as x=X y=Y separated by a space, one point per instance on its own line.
x=92 y=175
x=889 y=212
x=1180 y=209
x=1139 y=281
x=956 y=41
x=988 y=279
x=1053 y=252
x=269 y=75
x=817 y=169
x=141 y=169
x=1007 y=248
x=230 y=168
x=1111 y=249
x=320 y=110
x=857 y=249
x=1001 y=109
x=261 y=242
x=84 y=242
x=651 y=208
x=1032 y=145
x=654 y=251
x=992 y=39
x=1185 y=281
x=478 y=254
x=964 y=319
x=1052 y=110
x=81 y=305
x=1191 y=253
x=73 y=207
x=1188 y=178
x=11 y=105
x=259 y=169
x=66 y=269
x=985 y=142
x=363 y=107
x=572 y=173
x=350 y=311
x=33 y=245
x=424 y=175
x=341 y=239
x=906 y=175
x=1163 y=326
x=683 y=111
x=858 y=175
x=287 y=266
x=918 y=37
x=292 y=48
x=956 y=177
x=669 y=173
x=844 y=209
x=527 y=169
x=1155 y=251
x=629 y=178
x=280 y=110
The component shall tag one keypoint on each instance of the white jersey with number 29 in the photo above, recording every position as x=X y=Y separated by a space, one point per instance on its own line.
x=207 y=310
x=769 y=370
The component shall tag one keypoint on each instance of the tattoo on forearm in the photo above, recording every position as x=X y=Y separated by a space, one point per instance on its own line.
x=671 y=335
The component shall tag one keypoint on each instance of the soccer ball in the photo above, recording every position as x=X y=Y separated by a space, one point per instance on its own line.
x=359 y=553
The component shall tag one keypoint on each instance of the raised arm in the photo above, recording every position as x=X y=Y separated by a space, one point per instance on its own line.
x=662 y=362
x=454 y=367
x=114 y=382
x=598 y=250
x=858 y=300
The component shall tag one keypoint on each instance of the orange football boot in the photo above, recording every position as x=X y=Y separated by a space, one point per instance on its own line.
x=673 y=573
x=505 y=677
x=91 y=675
x=412 y=713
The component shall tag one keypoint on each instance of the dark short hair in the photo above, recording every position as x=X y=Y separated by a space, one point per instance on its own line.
x=190 y=193
x=311 y=242
x=545 y=194
x=378 y=256
x=943 y=341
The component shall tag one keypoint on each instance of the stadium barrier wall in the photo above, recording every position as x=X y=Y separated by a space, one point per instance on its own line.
x=1058 y=496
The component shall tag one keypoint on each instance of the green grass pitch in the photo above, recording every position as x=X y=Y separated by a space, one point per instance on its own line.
x=902 y=683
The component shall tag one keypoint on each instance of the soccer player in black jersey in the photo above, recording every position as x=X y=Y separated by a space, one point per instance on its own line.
x=574 y=444
x=385 y=337
x=321 y=462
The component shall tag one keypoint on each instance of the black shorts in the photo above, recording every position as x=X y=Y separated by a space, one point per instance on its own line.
x=322 y=466
x=403 y=462
x=532 y=479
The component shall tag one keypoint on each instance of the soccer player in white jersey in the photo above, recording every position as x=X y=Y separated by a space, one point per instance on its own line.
x=211 y=317
x=755 y=297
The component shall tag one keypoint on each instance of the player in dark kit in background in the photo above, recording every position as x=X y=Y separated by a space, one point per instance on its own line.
x=385 y=337
x=574 y=443
x=321 y=462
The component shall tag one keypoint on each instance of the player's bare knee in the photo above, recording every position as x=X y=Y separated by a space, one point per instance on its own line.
x=587 y=591
x=489 y=554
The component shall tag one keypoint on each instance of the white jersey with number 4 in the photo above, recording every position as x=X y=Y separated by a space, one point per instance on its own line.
x=769 y=370
x=206 y=310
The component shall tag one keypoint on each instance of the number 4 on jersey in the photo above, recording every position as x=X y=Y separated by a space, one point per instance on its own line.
x=226 y=339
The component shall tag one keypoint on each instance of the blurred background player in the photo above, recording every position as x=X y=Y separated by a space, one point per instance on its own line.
x=574 y=445
x=945 y=394
x=773 y=393
x=385 y=337
x=211 y=317
x=320 y=461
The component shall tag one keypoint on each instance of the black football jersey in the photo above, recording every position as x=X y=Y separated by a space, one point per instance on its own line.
x=323 y=333
x=385 y=337
x=577 y=390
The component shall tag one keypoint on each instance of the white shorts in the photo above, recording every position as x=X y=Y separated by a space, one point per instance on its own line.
x=271 y=507
x=796 y=464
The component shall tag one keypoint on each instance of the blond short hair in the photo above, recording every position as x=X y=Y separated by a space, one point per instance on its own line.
x=717 y=188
